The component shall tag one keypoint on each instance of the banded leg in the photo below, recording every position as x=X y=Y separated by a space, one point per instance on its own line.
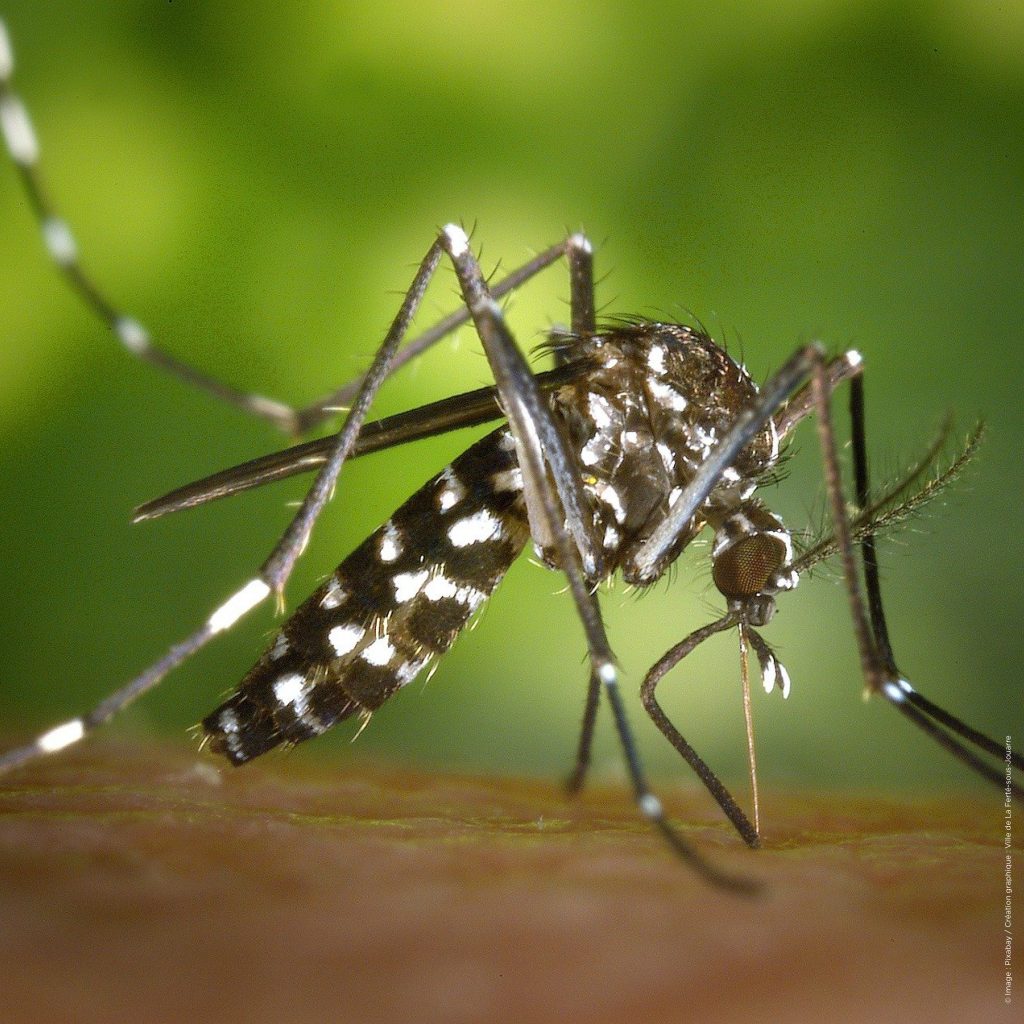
x=556 y=518
x=23 y=146
x=934 y=721
x=785 y=390
x=797 y=408
x=881 y=674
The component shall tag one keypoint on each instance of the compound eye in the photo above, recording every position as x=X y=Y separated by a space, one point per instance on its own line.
x=743 y=566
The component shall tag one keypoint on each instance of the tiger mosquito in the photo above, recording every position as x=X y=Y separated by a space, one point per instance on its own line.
x=643 y=435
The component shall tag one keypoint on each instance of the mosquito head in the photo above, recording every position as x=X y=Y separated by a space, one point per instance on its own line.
x=757 y=610
x=751 y=552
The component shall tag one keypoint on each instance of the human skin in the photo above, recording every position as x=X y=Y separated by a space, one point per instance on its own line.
x=150 y=884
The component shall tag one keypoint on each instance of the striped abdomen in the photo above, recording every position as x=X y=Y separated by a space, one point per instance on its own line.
x=399 y=600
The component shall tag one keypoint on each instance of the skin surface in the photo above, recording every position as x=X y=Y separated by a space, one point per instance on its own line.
x=151 y=885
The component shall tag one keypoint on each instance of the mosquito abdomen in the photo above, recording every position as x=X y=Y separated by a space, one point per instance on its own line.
x=398 y=601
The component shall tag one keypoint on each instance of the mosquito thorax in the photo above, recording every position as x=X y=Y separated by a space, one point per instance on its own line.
x=643 y=420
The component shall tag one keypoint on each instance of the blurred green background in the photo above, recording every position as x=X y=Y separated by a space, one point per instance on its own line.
x=255 y=183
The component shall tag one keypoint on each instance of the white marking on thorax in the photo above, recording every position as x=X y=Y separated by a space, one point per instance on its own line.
x=600 y=410
x=666 y=395
x=606 y=492
x=702 y=437
x=656 y=359
x=595 y=449
x=668 y=459
x=774 y=435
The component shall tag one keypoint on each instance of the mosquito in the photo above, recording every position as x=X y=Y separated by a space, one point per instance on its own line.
x=644 y=435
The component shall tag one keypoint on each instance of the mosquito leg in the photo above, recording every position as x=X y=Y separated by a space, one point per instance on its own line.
x=527 y=410
x=872 y=663
x=584 y=321
x=560 y=515
x=847 y=366
x=651 y=808
x=910 y=704
x=807 y=362
x=714 y=785
x=578 y=775
x=453 y=413
x=580 y=254
x=927 y=716
x=881 y=673
x=325 y=407
x=76 y=729
x=23 y=146
x=278 y=567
